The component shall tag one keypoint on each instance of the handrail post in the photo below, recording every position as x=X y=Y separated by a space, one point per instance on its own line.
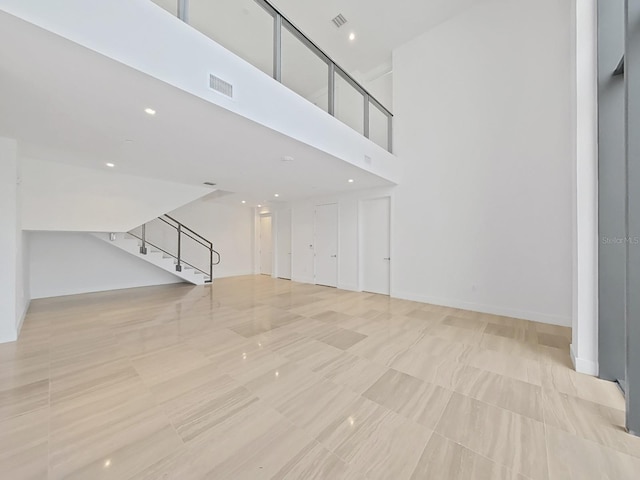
x=365 y=129
x=277 y=47
x=183 y=10
x=390 y=133
x=331 y=107
x=211 y=265
x=179 y=265
x=143 y=247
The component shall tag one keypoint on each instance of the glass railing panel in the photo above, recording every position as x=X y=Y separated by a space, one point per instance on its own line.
x=304 y=70
x=162 y=236
x=349 y=103
x=247 y=27
x=170 y=6
x=378 y=126
x=243 y=27
x=194 y=253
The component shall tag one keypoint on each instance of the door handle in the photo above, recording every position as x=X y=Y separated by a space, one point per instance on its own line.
x=334 y=256
x=387 y=258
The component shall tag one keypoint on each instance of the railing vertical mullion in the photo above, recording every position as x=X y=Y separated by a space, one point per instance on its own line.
x=211 y=264
x=183 y=10
x=277 y=47
x=332 y=89
x=143 y=247
x=366 y=115
x=179 y=265
x=390 y=133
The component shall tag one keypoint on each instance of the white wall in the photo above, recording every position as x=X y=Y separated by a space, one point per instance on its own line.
x=69 y=263
x=23 y=278
x=229 y=227
x=483 y=121
x=381 y=87
x=62 y=197
x=14 y=291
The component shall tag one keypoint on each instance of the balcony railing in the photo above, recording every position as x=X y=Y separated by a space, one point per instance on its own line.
x=257 y=32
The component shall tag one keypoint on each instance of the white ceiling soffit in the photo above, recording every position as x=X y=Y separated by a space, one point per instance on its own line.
x=68 y=104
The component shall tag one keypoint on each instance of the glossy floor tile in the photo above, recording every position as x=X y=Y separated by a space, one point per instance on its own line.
x=255 y=378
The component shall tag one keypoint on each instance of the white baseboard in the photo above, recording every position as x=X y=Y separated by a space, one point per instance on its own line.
x=490 y=309
x=20 y=321
x=22 y=317
x=588 y=367
x=242 y=273
x=303 y=280
x=8 y=338
x=351 y=288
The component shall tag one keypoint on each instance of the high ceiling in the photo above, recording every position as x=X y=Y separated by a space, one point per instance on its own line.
x=379 y=26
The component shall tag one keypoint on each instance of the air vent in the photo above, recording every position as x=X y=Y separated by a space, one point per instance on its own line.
x=220 y=86
x=209 y=184
x=339 y=20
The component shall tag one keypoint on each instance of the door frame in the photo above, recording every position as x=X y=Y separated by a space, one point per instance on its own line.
x=315 y=237
x=258 y=249
x=361 y=239
x=276 y=242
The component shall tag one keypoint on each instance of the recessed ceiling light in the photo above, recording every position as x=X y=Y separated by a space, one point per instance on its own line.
x=351 y=180
x=244 y=201
x=352 y=36
x=149 y=111
x=276 y=194
x=110 y=165
x=259 y=206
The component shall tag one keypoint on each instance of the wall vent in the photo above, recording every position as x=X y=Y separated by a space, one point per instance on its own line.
x=339 y=20
x=209 y=184
x=220 y=86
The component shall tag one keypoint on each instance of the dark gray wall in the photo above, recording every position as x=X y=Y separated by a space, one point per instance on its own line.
x=632 y=88
x=612 y=194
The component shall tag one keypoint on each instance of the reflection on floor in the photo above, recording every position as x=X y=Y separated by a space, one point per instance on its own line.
x=256 y=378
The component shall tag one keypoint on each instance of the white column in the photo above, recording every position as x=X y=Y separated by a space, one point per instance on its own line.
x=8 y=239
x=584 y=347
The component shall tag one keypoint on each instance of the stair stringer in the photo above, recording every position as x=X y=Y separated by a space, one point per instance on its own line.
x=131 y=245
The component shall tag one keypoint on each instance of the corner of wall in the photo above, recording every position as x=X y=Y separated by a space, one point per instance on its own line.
x=20 y=319
x=582 y=365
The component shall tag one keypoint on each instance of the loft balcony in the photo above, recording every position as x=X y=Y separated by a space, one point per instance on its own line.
x=270 y=114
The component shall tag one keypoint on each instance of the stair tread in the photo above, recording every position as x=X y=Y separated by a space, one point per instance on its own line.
x=159 y=258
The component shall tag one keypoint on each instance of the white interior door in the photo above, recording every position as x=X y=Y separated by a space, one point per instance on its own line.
x=284 y=244
x=266 y=249
x=326 y=245
x=375 y=242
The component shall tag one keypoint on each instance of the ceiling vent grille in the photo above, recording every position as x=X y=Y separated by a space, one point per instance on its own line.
x=220 y=86
x=339 y=20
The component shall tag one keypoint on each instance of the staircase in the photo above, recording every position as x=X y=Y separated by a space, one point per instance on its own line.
x=171 y=246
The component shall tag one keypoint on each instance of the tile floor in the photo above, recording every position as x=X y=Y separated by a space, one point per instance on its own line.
x=256 y=378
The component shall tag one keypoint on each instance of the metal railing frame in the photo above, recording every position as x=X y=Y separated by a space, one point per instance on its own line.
x=181 y=230
x=280 y=22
